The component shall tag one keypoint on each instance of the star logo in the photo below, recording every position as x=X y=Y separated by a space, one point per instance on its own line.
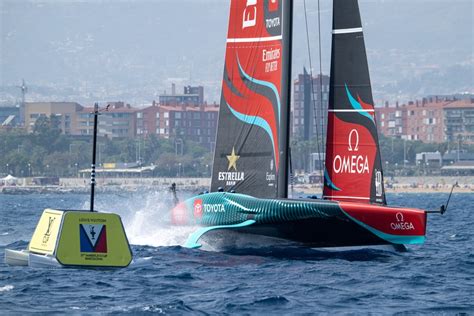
x=232 y=160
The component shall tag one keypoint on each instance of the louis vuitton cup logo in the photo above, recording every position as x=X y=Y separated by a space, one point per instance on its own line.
x=92 y=232
x=93 y=237
x=47 y=234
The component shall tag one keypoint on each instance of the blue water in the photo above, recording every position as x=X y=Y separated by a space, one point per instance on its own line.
x=435 y=277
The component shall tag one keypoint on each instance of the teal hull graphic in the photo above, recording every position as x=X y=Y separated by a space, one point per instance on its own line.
x=316 y=223
x=192 y=241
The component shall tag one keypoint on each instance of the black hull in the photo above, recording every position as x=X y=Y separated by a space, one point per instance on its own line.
x=316 y=232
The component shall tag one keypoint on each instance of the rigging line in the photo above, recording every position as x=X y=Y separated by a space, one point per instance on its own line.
x=321 y=81
x=312 y=92
x=291 y=173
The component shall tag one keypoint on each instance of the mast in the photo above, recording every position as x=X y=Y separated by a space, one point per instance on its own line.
x=286 y=98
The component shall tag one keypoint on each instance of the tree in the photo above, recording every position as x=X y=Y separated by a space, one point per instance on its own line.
x=47 y=134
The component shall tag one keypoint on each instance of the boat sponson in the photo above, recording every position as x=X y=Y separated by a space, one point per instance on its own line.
x=313 y=222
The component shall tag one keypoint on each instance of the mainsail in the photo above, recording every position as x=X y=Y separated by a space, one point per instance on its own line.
x=252 y=137
x=353 y=164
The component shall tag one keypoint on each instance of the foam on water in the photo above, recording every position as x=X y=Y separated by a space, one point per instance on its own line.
x=6 y=288
x=146 y=217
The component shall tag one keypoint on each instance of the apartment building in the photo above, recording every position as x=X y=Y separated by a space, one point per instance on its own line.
x=309 y=119
x=192 y=95
x=196 y=123
x=65 y=112
x=119 y=120
x=459 y=121
x=431 y=120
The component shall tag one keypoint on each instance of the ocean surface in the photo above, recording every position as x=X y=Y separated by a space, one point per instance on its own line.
x=437 y=277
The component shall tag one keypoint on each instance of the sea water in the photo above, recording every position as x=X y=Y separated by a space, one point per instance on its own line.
x=166 y=278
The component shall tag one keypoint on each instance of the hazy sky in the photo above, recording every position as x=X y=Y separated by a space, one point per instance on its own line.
x=132 y=48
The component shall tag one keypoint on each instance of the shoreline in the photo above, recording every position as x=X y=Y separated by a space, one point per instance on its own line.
x=434 y=184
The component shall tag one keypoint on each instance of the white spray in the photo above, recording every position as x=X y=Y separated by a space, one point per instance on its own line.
x=146 y=217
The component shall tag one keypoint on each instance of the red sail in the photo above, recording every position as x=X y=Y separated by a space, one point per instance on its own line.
x=247 y=157
x=353 y=164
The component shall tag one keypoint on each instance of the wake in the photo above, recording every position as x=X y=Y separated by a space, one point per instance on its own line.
x=147 y=217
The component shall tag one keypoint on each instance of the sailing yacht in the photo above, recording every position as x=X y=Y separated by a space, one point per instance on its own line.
x=249 y=189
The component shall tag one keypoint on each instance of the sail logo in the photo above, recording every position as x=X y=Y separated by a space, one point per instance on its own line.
x=354 y=163
x=270 y=176
x=274 y=22
x=214 y=208
x=232 y=177
x=401 y=224
x=273 y=5
x=356 y=140
x=197 y=208
x=249 y=17
x=378 y=183
x=271 y=58
x=93 y=238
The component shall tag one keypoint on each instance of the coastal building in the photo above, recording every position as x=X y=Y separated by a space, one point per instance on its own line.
x=431 y=120
x=459 y=121
x=192 y=95
x=119 y=120
x=196 y=123
x=147 y=120
x=9 y=116
x=65 y=113
x=309 y=120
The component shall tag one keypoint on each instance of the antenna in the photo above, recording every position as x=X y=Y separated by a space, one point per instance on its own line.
x=24 y=90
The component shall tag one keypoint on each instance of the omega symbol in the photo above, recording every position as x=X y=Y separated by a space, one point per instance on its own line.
x=356 y=137
x=399 y=217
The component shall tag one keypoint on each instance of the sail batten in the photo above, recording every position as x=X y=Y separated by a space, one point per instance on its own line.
x=347 y=31
x=254 y=39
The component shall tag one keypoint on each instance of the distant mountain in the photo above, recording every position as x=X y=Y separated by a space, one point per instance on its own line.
x=132 y=50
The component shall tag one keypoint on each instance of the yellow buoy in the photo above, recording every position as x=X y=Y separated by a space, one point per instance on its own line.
x=79 y=238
